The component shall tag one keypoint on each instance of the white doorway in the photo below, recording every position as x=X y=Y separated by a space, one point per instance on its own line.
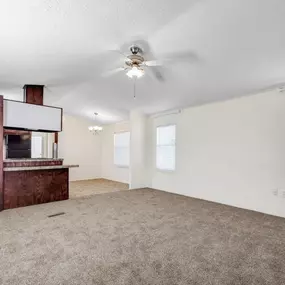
x=37 y=147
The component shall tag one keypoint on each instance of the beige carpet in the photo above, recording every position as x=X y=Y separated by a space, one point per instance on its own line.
x=140 y=237
x=86 y=188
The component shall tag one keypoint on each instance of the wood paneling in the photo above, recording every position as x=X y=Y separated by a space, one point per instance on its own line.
x=1 y=155
x=16 y=132
x=26 y=163
x=25 y=188
x=34 y=94
x=56 y=137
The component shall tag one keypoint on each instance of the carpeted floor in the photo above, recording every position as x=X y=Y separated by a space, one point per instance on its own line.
x=91 y=187
x=140 y=237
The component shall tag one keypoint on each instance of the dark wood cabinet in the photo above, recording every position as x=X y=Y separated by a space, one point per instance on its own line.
x=31 y=187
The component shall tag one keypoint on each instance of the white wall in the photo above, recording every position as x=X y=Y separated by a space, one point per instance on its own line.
x=138 y=150
x=108 y=169
x=231 y=152
x=78 y=146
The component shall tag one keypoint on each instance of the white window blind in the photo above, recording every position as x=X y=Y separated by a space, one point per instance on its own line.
x=165 y=147
x=122 y=149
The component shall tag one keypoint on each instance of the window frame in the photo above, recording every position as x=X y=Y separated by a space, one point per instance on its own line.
x=114 y=149
x=156 y=146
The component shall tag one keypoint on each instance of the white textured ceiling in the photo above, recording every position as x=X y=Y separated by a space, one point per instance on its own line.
x=63 y=44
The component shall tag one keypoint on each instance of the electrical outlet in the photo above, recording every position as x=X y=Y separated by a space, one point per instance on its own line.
x=275 y=192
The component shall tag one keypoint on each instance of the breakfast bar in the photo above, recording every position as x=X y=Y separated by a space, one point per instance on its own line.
x=34 y=181
x=30 y=171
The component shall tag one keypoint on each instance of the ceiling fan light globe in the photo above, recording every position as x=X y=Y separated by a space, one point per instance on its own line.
x=135 y=72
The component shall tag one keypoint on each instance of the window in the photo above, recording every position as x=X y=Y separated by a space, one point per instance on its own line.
x=165 y=147
x=122 y=149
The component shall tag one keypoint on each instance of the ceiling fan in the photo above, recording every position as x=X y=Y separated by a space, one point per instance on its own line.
x=136 y=64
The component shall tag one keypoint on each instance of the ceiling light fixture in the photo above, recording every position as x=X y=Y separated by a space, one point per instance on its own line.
x=95 y=129
x=135 y=72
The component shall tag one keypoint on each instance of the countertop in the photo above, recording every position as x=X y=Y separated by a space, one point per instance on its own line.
x=31 y=159
x=27 y=168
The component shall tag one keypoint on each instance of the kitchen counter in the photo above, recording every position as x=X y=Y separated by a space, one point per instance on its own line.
x=28 y=162
x=25 y=168
x=31 y=159
x=34 y=181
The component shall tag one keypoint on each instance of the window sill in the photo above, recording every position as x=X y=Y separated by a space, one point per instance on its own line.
x=165 y=170
x=121 y=166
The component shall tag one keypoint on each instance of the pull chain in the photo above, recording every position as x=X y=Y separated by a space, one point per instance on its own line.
x=135 y=80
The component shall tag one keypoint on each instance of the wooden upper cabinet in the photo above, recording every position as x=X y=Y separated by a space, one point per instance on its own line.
x=34 y=94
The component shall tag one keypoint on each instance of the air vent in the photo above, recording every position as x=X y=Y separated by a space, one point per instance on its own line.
x=57 y=214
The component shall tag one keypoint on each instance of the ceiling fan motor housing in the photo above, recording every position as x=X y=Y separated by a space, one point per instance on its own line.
x=134 y=59
x=135 y=49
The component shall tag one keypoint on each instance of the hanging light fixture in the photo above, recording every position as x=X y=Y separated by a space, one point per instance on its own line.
x=95 y=129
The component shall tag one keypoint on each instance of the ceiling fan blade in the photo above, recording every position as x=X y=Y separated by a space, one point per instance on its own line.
x=172 y=58
x=113 y=71
x=180 y=56
x=156 y=72
x=152 y=63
